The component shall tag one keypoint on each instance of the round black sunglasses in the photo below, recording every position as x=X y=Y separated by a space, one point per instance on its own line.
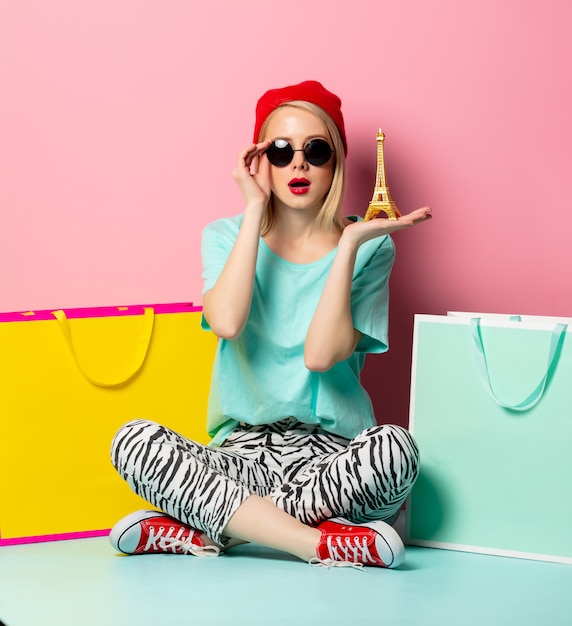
x=317 y=152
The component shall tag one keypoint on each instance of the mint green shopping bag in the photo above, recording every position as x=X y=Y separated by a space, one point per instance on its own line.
x=491 y=410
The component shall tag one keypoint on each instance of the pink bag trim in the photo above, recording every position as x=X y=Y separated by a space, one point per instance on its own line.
x=60 y=537
x=103 y=311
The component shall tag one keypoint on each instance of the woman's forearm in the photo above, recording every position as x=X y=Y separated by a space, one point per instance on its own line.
x=331 y=335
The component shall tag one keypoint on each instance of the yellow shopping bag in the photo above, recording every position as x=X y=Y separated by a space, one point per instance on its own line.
x=68 y=381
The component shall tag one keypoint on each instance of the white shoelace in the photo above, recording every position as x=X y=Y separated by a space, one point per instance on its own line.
x=161 y=541
x=316 y=562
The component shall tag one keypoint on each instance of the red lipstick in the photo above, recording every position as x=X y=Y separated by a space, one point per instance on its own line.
x=299 y=186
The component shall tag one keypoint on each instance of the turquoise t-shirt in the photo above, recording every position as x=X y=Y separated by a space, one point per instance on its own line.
x=260 y=377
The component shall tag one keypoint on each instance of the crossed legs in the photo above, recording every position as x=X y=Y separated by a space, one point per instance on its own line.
x=236 y=497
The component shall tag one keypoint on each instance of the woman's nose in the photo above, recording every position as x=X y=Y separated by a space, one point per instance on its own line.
x=299 y=161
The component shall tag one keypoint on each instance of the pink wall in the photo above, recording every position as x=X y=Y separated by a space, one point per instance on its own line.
x=120 y=121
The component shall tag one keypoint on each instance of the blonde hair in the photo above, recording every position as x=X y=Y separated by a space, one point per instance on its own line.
x=330 y=214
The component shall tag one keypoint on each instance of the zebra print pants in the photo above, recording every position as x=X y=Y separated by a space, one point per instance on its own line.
x=311 y=474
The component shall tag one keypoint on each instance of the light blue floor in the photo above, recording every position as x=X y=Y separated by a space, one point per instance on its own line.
x=84 y=583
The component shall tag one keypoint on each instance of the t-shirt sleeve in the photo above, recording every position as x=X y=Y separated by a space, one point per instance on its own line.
x=216 y=245
x=370 y=295
x=215 y=250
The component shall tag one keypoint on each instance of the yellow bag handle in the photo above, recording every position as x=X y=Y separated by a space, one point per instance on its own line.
x=141 y=348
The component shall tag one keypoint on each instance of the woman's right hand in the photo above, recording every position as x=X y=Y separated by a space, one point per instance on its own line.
x=252 y=174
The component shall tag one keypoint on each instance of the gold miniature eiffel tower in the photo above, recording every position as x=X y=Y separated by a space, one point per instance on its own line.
x=381 y=200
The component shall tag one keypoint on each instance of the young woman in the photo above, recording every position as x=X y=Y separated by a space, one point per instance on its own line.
x=297 y=295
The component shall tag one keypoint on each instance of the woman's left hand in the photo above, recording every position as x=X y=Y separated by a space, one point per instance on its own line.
x=360 y=232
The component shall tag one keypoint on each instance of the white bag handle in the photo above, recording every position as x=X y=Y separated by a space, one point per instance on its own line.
x=556 y=340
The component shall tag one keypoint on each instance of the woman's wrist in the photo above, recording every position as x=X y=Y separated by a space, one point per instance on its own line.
x=254 y=213
x=348 y=245
x=255 y=207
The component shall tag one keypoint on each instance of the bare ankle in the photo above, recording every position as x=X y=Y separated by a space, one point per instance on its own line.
x=207 y=541
x=310 y=550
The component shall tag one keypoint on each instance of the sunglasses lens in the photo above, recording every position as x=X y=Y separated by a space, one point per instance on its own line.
x=280 y=153
x=318 y=152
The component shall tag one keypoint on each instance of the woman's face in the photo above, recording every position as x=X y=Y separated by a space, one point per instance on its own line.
x=299 y=185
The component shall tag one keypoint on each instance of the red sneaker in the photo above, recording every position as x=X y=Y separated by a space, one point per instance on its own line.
x=148 y=532
x=371 y=543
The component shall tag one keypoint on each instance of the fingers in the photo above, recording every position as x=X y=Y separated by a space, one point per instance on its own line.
x=409 y=219
x=419 y=215
x=262 y=176
x=248 y=160
x=252 y=173
x=250 y=154
x=426 y=210
x=423 y=212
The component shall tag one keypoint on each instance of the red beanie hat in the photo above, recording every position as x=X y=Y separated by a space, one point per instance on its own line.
x=308 y=91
